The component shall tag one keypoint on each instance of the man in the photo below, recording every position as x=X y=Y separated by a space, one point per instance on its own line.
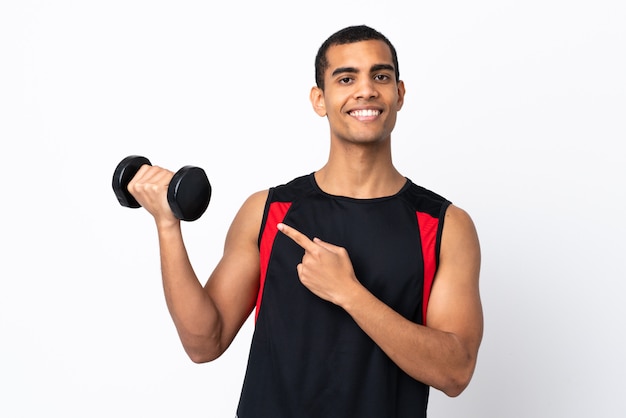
x=365 y=284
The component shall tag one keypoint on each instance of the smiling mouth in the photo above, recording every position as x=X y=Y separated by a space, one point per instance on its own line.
x=364 y=113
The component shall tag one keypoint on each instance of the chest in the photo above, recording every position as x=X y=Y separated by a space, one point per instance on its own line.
x=381 y=237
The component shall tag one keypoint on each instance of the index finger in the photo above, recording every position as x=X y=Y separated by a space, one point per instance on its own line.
x=299 y=238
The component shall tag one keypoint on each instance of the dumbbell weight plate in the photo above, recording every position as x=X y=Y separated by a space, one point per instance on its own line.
x=189 y=193
x=123 y=174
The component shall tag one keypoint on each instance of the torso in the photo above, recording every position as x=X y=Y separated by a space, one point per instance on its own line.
x=308 y=357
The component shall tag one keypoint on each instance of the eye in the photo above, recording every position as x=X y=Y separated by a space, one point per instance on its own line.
x=345 y=80
x=382 y=77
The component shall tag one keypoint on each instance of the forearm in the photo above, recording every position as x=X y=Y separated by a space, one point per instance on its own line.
x=436 y=358
x=192 y=310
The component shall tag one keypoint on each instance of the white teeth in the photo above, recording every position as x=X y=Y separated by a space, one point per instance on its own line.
x=365 y=113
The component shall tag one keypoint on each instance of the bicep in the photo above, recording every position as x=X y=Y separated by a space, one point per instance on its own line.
x=234 y=284
x=454 y=305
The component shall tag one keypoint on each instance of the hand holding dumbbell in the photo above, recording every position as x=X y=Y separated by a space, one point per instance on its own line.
x=188 y=193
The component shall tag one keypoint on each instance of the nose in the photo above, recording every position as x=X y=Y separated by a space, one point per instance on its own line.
x=365 y=88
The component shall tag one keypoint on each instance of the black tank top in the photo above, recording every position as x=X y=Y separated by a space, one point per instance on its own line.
x=308 y=357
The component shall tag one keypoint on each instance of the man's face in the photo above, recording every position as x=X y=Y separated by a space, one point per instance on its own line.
x=361 y=95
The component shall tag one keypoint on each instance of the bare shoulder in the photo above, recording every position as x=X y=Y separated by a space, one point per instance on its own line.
x=247 y=222
x=255 y=201
x=459 y=218
x=459 y=235
x=257 y=198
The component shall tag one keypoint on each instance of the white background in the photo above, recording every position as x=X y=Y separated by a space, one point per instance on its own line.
x=516 y=111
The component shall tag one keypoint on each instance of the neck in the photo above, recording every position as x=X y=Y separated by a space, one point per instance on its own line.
x=360 y=172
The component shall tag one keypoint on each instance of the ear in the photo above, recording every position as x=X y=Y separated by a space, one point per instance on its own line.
x=401 y=93
x=317 y=100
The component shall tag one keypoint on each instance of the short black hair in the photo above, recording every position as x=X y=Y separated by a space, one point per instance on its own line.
x=349 y=35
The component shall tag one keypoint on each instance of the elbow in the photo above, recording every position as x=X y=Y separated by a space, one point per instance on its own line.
x=458 y=381
x=201 y=349
x=454 y=389
x=459 y=373
x=202 y=356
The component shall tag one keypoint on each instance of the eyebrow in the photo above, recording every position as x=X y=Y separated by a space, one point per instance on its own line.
x=379 y=67
x=374 y=68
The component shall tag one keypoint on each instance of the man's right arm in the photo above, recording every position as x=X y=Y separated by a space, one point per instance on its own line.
x=208 y=317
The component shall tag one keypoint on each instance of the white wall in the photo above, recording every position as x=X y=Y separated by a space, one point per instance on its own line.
x=516 y=111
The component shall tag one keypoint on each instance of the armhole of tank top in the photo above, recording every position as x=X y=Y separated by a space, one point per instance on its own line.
x=270 y=194
x=442 y=217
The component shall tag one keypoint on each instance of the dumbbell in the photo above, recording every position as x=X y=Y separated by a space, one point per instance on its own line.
x=188 y=193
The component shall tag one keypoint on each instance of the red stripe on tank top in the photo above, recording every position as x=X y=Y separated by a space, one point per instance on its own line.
x=428 y=236
x=275 y=215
